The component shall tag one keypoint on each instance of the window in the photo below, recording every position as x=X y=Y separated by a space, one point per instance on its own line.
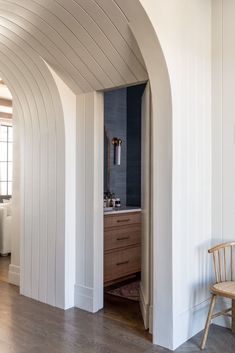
x=5 y=160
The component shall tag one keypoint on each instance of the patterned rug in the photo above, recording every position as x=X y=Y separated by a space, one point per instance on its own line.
x=128 y=291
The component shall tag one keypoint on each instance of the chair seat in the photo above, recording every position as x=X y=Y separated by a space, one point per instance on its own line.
x=224 y=289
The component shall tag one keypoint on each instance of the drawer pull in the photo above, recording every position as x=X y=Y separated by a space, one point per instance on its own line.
x=123 y=238
x=123 y=220
x=122 y=263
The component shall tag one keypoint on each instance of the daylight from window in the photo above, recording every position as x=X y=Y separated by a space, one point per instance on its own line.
x=5 y=160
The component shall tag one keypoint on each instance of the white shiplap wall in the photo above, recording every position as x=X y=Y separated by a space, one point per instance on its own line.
x=89 y=205
x=223 y=123
x=39 y=117
x=184 y=31
x=68 y=100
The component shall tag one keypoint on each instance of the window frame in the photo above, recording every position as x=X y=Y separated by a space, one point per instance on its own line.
x=8 y=159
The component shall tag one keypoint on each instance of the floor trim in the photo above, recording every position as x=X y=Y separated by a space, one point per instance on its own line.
x=14 y=275
x=84 y=298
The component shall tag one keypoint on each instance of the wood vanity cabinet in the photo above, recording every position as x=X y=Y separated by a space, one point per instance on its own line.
x=122 y=246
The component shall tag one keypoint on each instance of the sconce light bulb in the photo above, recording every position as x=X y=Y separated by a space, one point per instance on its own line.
x=117 y=150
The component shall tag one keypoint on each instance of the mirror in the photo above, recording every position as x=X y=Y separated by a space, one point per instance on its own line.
x=106 y=162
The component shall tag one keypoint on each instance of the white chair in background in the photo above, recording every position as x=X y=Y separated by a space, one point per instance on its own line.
x=5 y=228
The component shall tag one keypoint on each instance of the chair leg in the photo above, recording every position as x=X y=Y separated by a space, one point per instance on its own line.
x=208 y=321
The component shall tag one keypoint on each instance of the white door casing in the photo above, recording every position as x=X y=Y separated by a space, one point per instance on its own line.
x=145 y=206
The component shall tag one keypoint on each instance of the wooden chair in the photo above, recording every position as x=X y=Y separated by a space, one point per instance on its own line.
x=223 y=260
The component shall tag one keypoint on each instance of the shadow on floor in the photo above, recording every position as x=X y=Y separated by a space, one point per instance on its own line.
x=126 y=312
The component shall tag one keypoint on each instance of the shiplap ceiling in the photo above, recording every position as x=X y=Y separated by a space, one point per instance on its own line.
x=87 y=42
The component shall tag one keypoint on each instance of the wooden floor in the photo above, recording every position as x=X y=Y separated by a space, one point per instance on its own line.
x=27 y=326
x=125 y=312
x=4 y=267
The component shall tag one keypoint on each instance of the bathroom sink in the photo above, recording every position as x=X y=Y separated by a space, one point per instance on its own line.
x=108 y=209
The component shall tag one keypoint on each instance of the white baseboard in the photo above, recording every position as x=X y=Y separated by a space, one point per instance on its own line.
x=5 y=252
x=192 y=321
x=14 y=275
x=188 y=323
x=84 y=299
x=144 y=307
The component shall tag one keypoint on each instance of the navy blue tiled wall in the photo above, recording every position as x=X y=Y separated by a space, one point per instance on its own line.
x=134 y=96
x=122 y=118
x=115 y=115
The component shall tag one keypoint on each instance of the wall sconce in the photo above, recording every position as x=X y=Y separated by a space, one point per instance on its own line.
x=117 y=150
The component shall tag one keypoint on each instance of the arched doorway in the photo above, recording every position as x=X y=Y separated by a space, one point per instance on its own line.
x=55 y=37
x=38 y=176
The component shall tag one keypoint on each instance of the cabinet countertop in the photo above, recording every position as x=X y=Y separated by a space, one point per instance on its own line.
x=127 y=209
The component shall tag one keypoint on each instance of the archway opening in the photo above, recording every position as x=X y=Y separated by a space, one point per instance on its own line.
x=89 y=276
x=36 y=211
x=126 y=234
x=89 y=51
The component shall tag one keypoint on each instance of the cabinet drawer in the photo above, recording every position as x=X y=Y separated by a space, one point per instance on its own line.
x=122 y=219
x=121 y=263
x=122 y=236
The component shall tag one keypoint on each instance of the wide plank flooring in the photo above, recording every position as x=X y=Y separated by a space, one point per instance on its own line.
x=27 y=326
x=4 y=267
x=125 y=312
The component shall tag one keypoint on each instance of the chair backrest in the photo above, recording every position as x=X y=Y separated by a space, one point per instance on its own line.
x=223 y=260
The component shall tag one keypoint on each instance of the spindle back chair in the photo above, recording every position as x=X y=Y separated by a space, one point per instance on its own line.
x=224 y=270
x=223 y=261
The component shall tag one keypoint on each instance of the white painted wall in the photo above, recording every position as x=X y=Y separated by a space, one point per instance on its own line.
x=184 y=31
x=146 y=234
x=38 y=109
x=223 y=120
x=217 y=118
x=14 y=268
x=68 y=100
x=89 y=203
x=67 y=275
x=223 y=123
